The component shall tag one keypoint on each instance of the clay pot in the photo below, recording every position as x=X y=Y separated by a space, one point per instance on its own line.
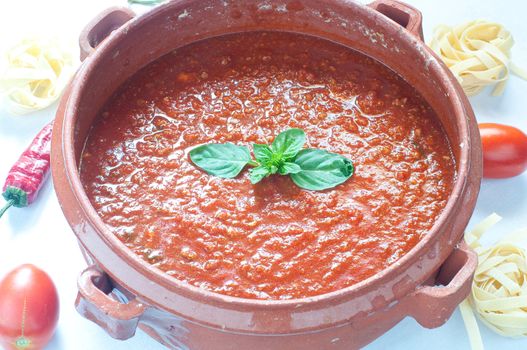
x=120 y=292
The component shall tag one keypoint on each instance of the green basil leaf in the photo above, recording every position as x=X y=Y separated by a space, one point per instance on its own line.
x=288 y=143
x=289 y=168
x=321 y=169
x=258 y=173
x=221 y=159
x=262 y=153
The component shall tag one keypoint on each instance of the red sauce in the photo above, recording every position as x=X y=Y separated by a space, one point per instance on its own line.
x=271 y=240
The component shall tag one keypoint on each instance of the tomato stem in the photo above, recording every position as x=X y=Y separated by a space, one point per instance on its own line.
x=7 y=206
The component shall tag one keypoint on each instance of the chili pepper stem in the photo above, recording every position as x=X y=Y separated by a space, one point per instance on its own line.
x=7 y=206
x=253 y=163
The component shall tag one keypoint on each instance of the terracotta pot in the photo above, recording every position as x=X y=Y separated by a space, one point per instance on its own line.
x=120 y=292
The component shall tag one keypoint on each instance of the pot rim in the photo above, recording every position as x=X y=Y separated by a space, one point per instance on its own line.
x=436 y=66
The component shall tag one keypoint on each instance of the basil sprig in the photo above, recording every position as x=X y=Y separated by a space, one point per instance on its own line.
x=311 y=169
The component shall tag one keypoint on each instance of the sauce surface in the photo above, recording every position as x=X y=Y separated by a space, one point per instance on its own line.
x=271 y=240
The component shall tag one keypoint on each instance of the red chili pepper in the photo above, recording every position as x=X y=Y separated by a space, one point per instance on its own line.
x=26 y=177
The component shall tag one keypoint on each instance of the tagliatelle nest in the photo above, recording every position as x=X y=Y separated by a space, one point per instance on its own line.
x=33 y=74
x=499 y=288
x=478 y=53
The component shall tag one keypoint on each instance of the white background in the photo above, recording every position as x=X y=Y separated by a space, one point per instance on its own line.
x=39 y=234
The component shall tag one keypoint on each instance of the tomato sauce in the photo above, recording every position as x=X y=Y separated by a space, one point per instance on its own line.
x=271 y=240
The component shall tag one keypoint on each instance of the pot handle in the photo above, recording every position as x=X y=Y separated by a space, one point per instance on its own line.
x=432 y=306
x=119 y=320
x=102 y=26
x=405 y=15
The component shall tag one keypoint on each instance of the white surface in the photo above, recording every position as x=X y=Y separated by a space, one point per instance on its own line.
x=39 y=234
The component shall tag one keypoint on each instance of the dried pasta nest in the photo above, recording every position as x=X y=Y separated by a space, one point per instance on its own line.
x=478 y=53
x=499 y=288
x=33 y=73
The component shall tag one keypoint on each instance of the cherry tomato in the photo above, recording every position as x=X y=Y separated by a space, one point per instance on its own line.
x=29 y=309
x=504 y=150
